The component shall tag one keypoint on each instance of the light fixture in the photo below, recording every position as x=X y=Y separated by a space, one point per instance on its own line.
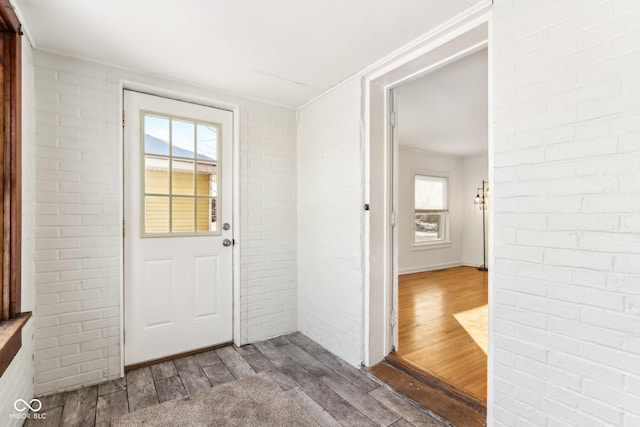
x=481 y=199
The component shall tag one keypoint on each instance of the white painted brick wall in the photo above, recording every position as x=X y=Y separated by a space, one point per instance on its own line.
x=269 y=305
x=330 y=218
x=566 y=199
x=77 y=230
x=17 y=381
x=78 y=210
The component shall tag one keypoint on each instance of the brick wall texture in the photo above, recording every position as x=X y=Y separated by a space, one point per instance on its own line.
x=566 y=202
x=78 y=211
x=330 y=221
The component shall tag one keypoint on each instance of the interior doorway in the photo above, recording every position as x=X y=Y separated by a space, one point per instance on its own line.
x=436 y=226
x=440 y=137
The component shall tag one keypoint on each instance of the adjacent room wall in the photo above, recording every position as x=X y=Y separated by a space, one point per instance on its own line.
x=17 y=381
x=330 y=221
x=475 y=169
x=466 y=175
x=413 y=259
x=78 y=230
x=566 y=274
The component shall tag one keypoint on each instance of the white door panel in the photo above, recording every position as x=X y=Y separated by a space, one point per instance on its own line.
x=178 y=194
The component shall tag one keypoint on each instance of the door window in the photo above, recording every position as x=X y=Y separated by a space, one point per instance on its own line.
x=181 y=176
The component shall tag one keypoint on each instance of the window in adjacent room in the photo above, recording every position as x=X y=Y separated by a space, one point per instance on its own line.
x=431 y=209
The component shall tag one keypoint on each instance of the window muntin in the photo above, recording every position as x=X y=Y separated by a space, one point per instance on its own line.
x=431 y=209
x=180 y=181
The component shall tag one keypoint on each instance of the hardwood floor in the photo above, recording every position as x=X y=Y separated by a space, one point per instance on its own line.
x=333 y=392
x=431 y=340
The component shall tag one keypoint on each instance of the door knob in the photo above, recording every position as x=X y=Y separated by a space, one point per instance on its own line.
x=226 y=242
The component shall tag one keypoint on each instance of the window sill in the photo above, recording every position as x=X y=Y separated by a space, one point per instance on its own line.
x=11 y=339
x=424 y=246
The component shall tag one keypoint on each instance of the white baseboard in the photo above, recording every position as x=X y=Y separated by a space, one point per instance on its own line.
x=430 y=268
x=472 y=264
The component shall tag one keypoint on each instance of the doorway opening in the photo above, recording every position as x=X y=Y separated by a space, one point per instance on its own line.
x=429 y=157
x=440 y=136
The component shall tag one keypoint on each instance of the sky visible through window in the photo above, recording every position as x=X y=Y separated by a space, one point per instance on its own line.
x=184 y=135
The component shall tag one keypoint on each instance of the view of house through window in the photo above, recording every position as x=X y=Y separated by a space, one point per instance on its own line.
x=431 y=209
x=181 y=175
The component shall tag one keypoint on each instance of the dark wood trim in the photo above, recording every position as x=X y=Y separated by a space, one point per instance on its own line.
x=427 y=397
x=15 y=47
x=8 y=19
x=465 y=397
x=5 y=165
x=10 y=161
x=11 y=339
x=128 y=368
x=11 y=320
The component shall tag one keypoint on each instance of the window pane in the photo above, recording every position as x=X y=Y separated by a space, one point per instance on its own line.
x=182 y=138
x=429 y=227
x=207 y=215
x=207 y=184
x=156 y=175
x=156 y=214
x=156 y=135
x=207 y=142
x=182 y=177
x=430 y=192
x=182 y=214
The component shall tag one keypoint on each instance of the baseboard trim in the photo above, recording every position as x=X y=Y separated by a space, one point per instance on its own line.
x=431 y=268
x=471 y=264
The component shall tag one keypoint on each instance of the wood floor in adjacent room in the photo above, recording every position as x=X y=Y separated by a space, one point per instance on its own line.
x=433 y=307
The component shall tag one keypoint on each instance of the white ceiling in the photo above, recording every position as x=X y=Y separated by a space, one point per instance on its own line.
x=284 y=51
x=446 y=111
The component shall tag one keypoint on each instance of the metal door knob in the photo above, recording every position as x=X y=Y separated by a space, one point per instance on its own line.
x=226 y=242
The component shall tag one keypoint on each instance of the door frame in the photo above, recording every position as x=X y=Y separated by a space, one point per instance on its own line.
x=380 y=271
x=235 y=144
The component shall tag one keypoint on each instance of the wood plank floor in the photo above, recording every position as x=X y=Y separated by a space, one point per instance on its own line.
x=430 y=337
x=436 y=401
x=330 y=390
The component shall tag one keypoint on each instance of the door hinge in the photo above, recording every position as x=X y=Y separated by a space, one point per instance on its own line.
x=393 y=118
x=122 y=118
x=393 y=219
x=123 y=228
x=393 y=319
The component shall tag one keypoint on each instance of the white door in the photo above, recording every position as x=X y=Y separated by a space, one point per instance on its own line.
x=178 y=230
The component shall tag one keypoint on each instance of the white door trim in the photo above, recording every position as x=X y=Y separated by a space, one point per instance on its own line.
x=181 y=96
x=378 y=182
